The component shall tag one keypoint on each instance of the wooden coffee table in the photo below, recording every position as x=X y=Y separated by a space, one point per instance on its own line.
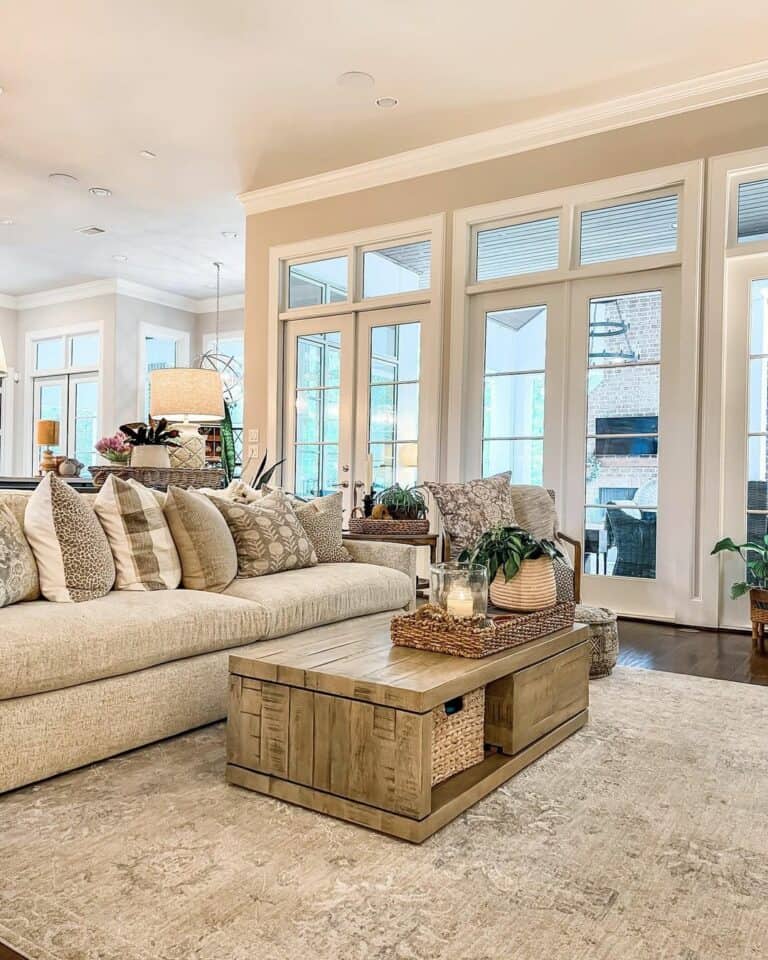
x=338 y=720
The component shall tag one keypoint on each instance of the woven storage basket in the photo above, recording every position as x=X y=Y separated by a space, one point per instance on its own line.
x=603 y=637
x=430 y=628
x=458 y=737
x=159 y=478
x=533 y=588
x=384 y=528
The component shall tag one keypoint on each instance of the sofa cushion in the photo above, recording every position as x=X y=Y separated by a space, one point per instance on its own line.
x=267 y=534
x=142 y=546
x=45 y=647
x=72 y=551
x=469 y=509
x=301 y=599
x=206 y=548
x=322 y=520
x=18 y=570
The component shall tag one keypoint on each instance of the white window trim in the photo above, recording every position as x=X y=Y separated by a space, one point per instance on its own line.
x=723 y=370
x=30 y=343
x=182 y=338
x=281 y=257
x=7 y=439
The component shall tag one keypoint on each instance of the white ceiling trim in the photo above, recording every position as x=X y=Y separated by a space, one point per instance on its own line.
x=126 y=288
x=234 y=301
x=706 y=91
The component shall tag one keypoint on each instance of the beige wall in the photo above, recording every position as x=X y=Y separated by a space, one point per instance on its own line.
x=700 y=134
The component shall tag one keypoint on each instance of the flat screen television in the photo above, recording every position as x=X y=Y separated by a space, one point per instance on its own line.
x=636 y=445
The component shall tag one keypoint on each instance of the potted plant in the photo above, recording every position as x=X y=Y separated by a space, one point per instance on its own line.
x=396 y=510
x=756 y=583
x=149 y=443
x=116 y=448
x=520 y=569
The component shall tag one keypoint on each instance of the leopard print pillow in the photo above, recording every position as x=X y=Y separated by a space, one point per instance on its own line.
x=322 y=521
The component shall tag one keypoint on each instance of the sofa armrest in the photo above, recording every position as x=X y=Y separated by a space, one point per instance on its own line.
x=396 y=556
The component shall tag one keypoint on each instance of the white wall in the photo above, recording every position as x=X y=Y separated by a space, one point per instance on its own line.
x=232 y=321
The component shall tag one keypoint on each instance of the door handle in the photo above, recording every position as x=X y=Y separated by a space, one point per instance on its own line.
x=344 y=483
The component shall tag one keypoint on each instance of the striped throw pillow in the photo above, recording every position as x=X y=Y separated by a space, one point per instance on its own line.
x=145 y=554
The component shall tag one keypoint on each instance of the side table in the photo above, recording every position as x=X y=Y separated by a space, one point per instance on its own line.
x=418 y=540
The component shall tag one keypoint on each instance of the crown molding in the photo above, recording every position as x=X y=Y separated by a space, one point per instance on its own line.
x=735 y=84
x=234 y=301
x=119 y=287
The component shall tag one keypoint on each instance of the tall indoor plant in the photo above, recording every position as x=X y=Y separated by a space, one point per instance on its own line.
x=520 y=569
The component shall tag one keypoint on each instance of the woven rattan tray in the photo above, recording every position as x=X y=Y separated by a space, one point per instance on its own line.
x=384 y=528
x=160 y=478
x=429 y=628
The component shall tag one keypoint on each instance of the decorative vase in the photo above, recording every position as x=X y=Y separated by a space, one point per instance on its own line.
x=758 y=614
x=151 y=455
x=189 y=453
x=532 y=588
x=459 y=589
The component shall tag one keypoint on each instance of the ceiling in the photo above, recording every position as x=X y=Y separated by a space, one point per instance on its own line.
x=240 y=94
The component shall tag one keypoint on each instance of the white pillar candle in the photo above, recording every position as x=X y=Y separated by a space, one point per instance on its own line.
x=459 y=602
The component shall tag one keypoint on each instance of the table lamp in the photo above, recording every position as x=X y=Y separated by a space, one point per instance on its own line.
x=47 y=435
x=187 y=397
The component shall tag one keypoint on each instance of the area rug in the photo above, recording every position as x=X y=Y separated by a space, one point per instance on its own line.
x=643 y=836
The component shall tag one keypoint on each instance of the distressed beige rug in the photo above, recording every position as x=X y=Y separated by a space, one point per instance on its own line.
x=643 y=836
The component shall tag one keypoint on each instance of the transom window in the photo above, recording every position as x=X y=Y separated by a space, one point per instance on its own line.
x=624 y=230
x=517 y=249
x=319 y=282
x=752 y=211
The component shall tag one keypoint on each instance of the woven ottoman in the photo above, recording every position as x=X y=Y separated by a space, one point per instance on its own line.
x=604 y=636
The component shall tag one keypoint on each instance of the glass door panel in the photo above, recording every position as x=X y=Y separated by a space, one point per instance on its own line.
x=83 y=418
x=319 y=366
x=50 y=402
x=625 y=468
x=516 y=357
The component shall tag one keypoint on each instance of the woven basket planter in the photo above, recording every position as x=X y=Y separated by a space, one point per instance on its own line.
x=603 y=636
x=533 y=587
x=385 y=528
x=159 y=478
x=458 y=734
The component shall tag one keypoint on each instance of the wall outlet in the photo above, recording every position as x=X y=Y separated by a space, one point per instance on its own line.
x=253 y=436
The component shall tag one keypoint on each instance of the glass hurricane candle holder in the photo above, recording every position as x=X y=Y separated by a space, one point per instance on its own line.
x=459 y=589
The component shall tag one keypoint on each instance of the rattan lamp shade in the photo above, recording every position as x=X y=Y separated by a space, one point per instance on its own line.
x=186 y=394
x=47 y=433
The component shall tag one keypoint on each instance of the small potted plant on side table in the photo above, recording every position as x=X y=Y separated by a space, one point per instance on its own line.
x=397 y=510
x=520 y=569
x=756 y=584
x=149 y=443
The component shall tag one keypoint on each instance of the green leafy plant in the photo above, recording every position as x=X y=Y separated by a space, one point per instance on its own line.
x=227 y=438
x=757 y=566
x=152 y=434
x=506 y=548
x=403 y=503
x=263 y=473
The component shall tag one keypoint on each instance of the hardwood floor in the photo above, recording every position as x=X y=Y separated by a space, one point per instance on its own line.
x=699 y=653
x=653 y=646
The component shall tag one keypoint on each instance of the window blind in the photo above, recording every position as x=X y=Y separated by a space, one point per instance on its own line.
x=521 y=248
x=753 y=211
x=625 y=230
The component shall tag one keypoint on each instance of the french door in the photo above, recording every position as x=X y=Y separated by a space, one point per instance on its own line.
x=72 y=400
x=626 y=488
x=516 y=362
x=360 y=404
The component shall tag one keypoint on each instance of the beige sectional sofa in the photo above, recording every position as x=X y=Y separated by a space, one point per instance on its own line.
x=83 y=681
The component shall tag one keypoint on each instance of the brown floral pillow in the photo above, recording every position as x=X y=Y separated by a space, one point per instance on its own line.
x=469 y=509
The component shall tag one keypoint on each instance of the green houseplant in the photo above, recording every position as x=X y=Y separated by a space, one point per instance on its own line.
x=520 y=568
x=754 y=553
x=149 y=442
x=403 y=503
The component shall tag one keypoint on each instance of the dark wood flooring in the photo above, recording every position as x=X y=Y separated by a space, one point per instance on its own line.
x=698 y=653
x=653 y=646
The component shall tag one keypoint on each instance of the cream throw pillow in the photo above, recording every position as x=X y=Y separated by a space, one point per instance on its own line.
x=322 y=520
x=267 y=534
x=200 y=532
x=18 y=570
x=145 y=554
x=71 y=549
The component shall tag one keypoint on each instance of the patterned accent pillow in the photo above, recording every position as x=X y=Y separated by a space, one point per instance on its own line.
x=71 y=549
x=322 y=520
x=206 y=548
x=267 y=534
x=18 y=570
x=469 y=509
x=142 y=546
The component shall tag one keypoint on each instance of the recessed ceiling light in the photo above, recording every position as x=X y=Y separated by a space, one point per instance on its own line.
x=148 y=155
x=100 y=191
x=65 y=179
x=119 y=257
x=387 y=103
x=229 y=234
x=355 y=78
x=90 y=231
